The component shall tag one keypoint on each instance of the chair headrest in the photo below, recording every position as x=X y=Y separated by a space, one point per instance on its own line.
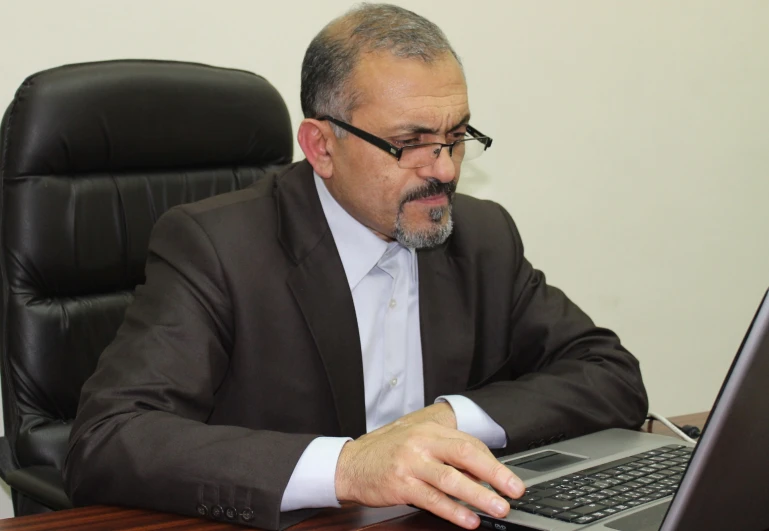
x=143 y=115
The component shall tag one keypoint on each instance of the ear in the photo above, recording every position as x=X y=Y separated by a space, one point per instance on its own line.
x=316 y=139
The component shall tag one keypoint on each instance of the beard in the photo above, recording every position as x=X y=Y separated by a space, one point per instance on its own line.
x=441 y=220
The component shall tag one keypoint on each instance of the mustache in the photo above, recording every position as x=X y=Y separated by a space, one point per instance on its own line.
x=431 y=188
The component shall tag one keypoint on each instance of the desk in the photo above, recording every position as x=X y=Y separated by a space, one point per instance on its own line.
x=103 y=518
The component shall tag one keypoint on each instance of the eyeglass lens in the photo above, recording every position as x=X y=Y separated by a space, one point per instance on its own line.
x=425 y=155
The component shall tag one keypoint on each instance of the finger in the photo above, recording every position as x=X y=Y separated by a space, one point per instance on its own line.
x=454 y=483
x=450 y=433
x=486 y=467
x=463 y=454
x=431 y=499
x=469 y=476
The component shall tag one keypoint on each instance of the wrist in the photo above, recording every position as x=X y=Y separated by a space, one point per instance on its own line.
x=341 y=482
x=444 y=415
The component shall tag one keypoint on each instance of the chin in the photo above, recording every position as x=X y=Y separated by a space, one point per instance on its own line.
x=425 y=234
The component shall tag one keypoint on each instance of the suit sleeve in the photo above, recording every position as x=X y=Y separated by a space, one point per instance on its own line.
x=564 y=377
x=140 y=437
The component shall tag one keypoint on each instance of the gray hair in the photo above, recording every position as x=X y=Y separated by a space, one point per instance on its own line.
x=333 y=54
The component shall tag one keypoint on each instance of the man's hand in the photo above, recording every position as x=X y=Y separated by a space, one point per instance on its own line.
x=441 y=413
x=419 y=460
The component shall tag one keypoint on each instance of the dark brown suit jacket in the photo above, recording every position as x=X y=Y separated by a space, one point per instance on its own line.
x=243 y=346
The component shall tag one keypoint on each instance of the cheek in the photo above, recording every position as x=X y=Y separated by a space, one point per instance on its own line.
x=379 y=185
x=383 y=201
x=388 y=189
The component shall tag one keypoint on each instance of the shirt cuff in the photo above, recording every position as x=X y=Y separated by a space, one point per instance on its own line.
x=473 y=420
x=312 y=483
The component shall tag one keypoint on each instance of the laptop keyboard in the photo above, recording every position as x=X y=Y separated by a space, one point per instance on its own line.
x=607 y=489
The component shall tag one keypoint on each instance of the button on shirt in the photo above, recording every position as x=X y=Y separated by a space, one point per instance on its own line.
x=384 y=281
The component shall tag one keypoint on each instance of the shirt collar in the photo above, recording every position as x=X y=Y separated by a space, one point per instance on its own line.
x=359 y=248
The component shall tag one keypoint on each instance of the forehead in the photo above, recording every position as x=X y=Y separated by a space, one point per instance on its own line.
x=394 y=91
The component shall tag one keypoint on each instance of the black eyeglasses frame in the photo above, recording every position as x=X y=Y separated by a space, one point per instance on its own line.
x=397 y=152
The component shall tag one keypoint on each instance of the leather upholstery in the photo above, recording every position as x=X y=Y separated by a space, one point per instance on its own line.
x=90 y=156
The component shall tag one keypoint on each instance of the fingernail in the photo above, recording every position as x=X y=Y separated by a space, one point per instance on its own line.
x=499 y=507
x=516 y=486
x=472 y=520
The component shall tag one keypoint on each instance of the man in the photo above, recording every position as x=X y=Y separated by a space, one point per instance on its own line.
x=350 y=329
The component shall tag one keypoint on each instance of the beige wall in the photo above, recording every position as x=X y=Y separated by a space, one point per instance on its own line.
x=630 y=141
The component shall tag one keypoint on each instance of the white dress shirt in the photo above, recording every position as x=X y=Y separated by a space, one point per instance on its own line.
x=384 y=282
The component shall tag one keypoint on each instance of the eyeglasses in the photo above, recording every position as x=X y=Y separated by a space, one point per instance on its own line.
x=421 y=155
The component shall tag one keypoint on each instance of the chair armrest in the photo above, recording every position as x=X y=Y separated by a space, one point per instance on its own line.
x=6 y=458
x=41 y=483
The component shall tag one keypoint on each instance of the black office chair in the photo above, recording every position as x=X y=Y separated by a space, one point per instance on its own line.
x=90 y=156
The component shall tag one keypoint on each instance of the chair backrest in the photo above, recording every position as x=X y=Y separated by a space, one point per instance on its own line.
x=90 y=156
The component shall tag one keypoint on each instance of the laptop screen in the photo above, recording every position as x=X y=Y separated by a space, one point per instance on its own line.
x=727 y=483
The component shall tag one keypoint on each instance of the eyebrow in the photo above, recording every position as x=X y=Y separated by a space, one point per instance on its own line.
x=422 y=130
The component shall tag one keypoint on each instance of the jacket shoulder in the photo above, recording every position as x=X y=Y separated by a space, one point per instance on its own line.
x=218 y=205
x=482 y=224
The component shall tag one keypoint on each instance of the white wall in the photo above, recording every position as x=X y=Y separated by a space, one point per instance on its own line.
x=630 y=141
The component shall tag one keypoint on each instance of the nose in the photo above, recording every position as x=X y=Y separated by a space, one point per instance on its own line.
x=443 y=168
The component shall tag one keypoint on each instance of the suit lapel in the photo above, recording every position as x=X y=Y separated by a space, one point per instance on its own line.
x=321 y=290
x=446 y=323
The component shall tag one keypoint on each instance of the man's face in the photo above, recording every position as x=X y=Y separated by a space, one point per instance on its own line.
x=404 y=101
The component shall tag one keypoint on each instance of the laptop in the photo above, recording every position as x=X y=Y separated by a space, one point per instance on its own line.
x=622 y=480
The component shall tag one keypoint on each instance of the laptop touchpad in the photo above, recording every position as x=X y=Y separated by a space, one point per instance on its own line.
x=544 y=461
x=647 y=520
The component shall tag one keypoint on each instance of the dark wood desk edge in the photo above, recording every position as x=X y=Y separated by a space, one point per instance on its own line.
x=115 y=518
x=109 y=518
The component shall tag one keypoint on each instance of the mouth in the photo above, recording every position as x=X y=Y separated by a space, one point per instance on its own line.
x=432 y=200
x=433 y=195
